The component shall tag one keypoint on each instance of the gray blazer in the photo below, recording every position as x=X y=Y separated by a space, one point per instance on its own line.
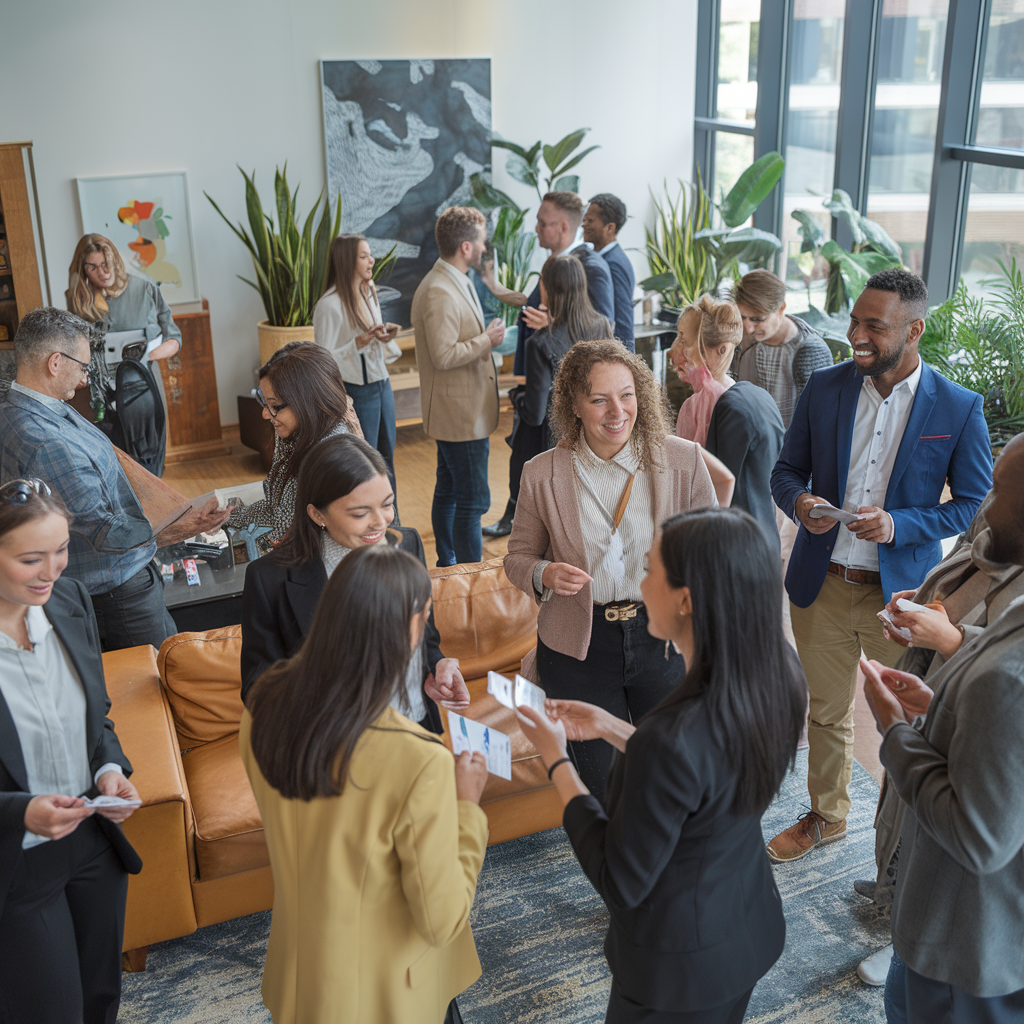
x=958 y=914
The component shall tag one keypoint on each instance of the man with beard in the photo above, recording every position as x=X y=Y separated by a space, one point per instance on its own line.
x=458 y=383
x=877 y=437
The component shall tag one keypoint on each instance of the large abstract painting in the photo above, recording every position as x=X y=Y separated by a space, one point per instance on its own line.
x=402 y=138
x=146 y=216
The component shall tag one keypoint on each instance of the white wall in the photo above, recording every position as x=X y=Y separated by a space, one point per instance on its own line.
x=203 y=85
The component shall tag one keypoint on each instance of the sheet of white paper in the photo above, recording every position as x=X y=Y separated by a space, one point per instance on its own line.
x=839 y=514
x=529 y=694
x=112 y=801
x=477 y=737
x=501 y=688
x=900 y=631
x=910 y=606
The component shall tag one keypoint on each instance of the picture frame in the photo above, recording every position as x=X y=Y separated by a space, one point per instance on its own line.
x=147 y=217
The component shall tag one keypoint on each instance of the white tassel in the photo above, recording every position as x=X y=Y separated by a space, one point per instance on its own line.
x=614 y=561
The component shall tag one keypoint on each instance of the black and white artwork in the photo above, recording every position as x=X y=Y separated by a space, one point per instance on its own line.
x=402 y=138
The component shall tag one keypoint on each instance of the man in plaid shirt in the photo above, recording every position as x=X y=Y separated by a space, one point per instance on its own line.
x=112 y=544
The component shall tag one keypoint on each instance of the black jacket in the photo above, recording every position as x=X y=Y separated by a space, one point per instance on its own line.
x=278 y=606
x=69 y=610
x=746 y=433
x=696 y=919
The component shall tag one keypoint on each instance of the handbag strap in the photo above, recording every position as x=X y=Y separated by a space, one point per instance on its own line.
x=620 y=509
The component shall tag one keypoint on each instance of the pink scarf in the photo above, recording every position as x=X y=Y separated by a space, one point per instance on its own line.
x=695 y=414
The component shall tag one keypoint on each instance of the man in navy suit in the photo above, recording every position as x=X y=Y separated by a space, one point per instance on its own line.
x=601 y=226
x=877 y=436
x=558 y=230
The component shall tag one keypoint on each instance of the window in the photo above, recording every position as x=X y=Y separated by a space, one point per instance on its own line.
x=736 y=93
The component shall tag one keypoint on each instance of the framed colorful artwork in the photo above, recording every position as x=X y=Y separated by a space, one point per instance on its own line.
x=146 y=216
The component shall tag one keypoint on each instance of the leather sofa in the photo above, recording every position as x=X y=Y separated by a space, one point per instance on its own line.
x=199 y=831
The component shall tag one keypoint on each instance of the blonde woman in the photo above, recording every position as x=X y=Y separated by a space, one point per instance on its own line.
x=736 y=421
x=587 y=515
x=347 y=322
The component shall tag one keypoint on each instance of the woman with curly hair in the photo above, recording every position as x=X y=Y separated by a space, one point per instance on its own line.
x=587 y=515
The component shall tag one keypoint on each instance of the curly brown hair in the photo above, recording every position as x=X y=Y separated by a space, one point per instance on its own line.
x=573 y=380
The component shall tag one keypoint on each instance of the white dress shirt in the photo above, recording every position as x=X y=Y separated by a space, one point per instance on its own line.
x=333 y=330
x=46 y=700
x=877 y=432
x=332 y=554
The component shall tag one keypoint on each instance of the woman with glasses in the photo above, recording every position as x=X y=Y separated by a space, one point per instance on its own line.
x=64 y=863
x=375 y=832
x=347 y=322
x=302 y=394
x=344 y=503
x=103 y=293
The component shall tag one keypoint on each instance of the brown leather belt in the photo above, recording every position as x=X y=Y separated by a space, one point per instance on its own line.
x=620 y=611
x=858 y=576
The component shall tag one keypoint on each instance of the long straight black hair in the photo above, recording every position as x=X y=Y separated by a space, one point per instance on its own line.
x=309 y=711
x=742 y=669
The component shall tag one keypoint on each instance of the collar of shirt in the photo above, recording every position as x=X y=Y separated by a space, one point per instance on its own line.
x=907 y=384
x=53 y=404
x=37 y=625
x=626 y=458
x=332 y=553
x=611 y=245
x=574 y=244
x=457 y=274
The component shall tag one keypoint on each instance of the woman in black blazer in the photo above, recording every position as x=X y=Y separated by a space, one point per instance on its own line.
x=63 y=866
x=676 y=851
x=344 y=500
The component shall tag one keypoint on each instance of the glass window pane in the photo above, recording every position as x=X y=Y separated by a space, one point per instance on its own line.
x=994 y=231
x=1001 y=114
x=910 y=53
x=733 y=155
x=739 y=21
x=811 y=126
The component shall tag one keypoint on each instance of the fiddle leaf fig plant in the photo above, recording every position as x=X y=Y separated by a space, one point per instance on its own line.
x=524 y=164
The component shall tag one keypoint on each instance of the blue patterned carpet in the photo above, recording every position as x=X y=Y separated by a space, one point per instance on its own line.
x=539 y=929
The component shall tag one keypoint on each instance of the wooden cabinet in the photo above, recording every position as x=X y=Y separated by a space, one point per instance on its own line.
x=20 y=287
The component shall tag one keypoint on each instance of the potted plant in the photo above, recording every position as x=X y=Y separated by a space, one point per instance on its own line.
x=290 y=262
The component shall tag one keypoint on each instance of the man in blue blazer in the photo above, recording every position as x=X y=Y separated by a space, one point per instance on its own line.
x=878 y=437
x=601 y=226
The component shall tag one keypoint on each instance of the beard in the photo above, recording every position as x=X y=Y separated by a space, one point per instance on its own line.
x=885 y=361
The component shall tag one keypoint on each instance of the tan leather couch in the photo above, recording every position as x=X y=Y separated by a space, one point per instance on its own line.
x=199 y=831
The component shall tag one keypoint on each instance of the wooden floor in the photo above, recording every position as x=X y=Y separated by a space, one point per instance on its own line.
x=415 y=465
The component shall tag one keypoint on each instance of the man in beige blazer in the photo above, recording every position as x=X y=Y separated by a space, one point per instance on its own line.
x=458 y=383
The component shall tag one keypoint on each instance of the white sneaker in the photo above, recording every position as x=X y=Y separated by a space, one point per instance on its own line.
x=875 y=969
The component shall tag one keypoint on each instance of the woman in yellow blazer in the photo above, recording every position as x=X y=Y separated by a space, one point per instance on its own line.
x=376 y=836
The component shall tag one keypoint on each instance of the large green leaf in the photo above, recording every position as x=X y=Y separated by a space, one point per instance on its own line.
x=810 y=230
x=660 y=282
x=841 y=207
x=554 y=155
x=880 y=240
x=519 y=169
x=750 y=246
x=567 y=183
x=751 y=189
x=499 y=143
x=576 y=159
x=486 y=197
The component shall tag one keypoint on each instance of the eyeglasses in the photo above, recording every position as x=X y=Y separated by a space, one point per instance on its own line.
x=98 y=267
x=264 y=404
x=17 y=492
x=84 y=366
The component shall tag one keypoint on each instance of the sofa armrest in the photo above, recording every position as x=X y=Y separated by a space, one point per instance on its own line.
x=160 y=897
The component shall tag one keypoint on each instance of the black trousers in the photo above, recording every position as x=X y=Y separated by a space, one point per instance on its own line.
x=134 y=613
x=527 y=441
x=935 y=1002
x=61 y=931
x=625 y=672
x=622 y=1010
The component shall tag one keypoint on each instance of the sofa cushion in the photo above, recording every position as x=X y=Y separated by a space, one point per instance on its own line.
x=202 y=677
x=483 y=619
x=228 y=826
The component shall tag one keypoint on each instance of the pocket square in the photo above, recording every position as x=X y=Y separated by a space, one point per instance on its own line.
x=936 y=437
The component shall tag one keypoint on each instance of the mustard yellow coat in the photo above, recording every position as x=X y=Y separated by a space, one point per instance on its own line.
x=372 y=888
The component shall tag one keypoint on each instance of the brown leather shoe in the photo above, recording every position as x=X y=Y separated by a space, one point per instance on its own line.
x=811 y=830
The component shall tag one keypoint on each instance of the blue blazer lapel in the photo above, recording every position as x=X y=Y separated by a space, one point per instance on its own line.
x=849 y=395
x=924 y=402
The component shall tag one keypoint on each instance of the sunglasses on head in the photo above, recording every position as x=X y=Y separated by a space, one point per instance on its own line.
x=17 y=492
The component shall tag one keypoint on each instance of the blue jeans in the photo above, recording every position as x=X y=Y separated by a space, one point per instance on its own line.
x=935 y=1002
x=896 y=991
x=461 y=496
x=375 y=406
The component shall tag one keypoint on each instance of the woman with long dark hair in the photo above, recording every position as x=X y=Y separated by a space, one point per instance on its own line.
x=587 y=515
x=63 y=865
x=375 y=834
x=347 y=321
x=676 y=849
x=304 y=397
x=345 y=502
